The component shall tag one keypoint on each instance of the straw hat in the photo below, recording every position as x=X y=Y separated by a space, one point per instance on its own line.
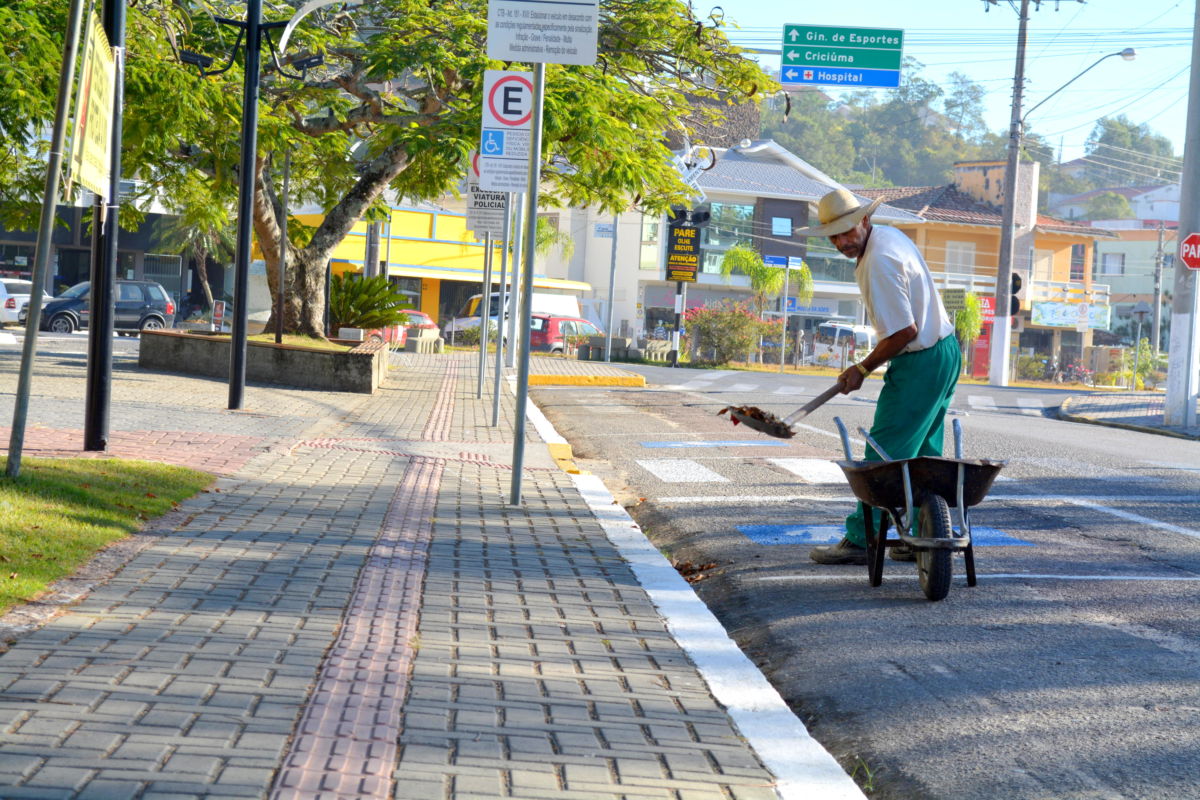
x=838 y=212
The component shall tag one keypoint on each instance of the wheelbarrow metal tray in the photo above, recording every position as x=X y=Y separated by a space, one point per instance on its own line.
x=881 y=483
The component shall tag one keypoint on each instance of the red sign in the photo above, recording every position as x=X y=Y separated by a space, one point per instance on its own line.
x=1189 y=251
x=987 y=307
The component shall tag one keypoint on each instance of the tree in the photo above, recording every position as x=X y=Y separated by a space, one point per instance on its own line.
x=396 y=107
x=1108 y=205
x=964 y=108
x=968 y=321
x=766 y=282
x=1124 y=153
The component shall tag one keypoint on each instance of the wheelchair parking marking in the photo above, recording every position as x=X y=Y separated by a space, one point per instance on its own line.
x=981 y=535
x=680 y=470
x=812 y=470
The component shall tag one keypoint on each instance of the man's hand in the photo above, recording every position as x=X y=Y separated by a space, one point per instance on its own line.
x=851 y=380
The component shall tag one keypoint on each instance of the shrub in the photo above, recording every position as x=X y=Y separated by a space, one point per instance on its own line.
x=469 y=337
x=727 y=329
x=1031 y=367
x=359 y=302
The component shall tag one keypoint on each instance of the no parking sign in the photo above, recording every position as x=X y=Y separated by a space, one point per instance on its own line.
x=504 y=142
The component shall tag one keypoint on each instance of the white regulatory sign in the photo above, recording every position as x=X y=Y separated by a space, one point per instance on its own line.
x=486 y=210
x=504 y=140
x=543 y=31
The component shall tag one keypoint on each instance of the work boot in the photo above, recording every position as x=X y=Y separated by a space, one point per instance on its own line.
x=844 y=552
x=902 y=552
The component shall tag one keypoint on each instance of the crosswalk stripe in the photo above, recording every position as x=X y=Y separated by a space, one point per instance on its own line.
x=740 y=387
x=982 y=402
x=811 y=470
x=1030 y=406
x=790 y=390
x=680 y=470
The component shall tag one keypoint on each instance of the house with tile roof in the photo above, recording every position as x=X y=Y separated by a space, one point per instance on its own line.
x=960 y=239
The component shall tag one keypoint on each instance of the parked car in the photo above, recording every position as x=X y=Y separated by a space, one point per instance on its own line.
x=138 y=306
x=553 y=334
x=397 y=335
x=14 y=292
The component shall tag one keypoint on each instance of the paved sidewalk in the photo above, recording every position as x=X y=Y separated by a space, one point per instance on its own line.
x=354 y=611
x=1141 y=411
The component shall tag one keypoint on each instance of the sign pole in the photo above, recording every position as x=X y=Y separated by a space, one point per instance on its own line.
x=678 y=315
x=1180 y=406
x=535 y=170
x=514 y=293
x=500 y=312
x=485 y=312
x=41 y=260
x=612 y=279
x=787 y=275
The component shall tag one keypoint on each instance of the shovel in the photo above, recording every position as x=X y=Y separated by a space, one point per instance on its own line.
x=759 y=420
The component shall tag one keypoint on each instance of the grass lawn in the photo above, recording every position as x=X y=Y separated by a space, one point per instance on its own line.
x=301 y=341
x=60 y=512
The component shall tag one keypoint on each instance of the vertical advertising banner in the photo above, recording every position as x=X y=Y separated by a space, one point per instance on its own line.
x=91 y=142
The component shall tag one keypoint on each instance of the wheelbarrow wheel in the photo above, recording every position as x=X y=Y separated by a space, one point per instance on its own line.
x=933 y=566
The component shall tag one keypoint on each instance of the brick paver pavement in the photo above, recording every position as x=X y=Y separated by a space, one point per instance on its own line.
x=1138 y=410
x=355 y=611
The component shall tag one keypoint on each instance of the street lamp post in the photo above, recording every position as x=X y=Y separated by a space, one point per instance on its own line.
x=1002 y=324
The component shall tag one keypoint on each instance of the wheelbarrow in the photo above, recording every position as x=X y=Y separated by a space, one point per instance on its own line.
x=915 y=496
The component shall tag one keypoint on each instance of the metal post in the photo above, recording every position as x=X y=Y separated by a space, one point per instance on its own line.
x=535 y=170
x=41 y=259
x=104 y=255
x=1180 y=407
x=514 y=295
x=1137 y=355
x=1156 y=323
x=485 y=312
x=283 y=247
x=241 y=269
x=371 y=258
x=678 y=316
x=1002 y=324
x=787 y=276
x=508 y=196
x=612 y=280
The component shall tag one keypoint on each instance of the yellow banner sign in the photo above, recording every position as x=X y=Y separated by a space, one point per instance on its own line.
x=91 y=143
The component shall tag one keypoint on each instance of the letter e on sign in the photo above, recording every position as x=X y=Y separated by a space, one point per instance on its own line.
x=1189 y=251
x=509 y=101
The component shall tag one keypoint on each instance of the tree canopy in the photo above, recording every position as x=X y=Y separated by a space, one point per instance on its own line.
x=395 y=107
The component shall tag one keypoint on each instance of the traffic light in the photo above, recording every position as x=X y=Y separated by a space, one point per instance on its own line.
x=1017 y=294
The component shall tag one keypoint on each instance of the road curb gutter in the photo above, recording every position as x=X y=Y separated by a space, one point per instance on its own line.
x=587 y=380
x=1064 y=414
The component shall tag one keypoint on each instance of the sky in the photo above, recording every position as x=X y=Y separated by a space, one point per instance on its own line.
x=959 y=35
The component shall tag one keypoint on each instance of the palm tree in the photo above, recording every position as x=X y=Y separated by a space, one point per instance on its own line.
x=766 y=280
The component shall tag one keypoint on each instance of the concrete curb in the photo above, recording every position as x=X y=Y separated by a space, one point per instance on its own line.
x=1064 y=414
x=587 y=380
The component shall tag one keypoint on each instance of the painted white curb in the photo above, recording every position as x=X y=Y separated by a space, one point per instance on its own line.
x=804 y=770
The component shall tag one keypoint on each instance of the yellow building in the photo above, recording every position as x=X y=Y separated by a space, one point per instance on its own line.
x=431 y=256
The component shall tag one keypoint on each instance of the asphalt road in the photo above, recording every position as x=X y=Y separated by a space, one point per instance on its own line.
x=1071 y=671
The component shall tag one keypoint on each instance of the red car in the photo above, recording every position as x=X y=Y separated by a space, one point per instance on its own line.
x=397 y=335
x=549 y=333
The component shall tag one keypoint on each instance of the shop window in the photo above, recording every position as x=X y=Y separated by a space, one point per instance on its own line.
x=960 y=257
x=781 y=226
x=1078 y=258
x=651 y=235
x=1112 y=264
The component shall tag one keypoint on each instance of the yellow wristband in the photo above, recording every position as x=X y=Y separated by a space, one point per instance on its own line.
x=865 y=372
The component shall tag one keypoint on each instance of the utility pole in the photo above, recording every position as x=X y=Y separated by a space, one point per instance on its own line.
x=1002 y=323
x=1156 y=325
x=1180 y=407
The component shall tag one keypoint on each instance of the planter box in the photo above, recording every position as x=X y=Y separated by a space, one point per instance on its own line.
x=360 y=370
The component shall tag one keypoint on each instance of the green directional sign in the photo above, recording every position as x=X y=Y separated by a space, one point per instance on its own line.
x=837 y=56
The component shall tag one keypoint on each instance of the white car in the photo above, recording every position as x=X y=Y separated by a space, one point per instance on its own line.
x=14 y=293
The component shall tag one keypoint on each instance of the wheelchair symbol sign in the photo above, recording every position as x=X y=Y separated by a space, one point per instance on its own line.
x=493 y=143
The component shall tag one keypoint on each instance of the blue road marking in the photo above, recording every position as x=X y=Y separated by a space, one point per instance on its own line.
x=734 y=443
x=828 y=534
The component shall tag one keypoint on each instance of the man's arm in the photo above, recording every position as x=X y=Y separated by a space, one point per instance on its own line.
x=852 y=378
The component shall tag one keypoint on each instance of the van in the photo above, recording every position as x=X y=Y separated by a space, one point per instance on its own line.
x=562 y=305
x=840 y=344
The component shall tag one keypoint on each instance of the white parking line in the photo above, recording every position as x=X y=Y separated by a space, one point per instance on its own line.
x=811 y=470
x=1030 y=406
x=680 y=470
x=1116 y=512
x=754 y=499
x=981 y=575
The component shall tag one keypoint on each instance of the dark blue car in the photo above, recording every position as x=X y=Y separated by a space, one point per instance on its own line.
x=138 y=306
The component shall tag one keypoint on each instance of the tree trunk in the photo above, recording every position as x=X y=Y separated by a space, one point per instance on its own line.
x=304 y=294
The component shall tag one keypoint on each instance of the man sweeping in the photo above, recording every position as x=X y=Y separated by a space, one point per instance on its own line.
x=916 y=341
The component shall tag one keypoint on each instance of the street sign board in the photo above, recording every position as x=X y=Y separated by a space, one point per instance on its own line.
x=486 y=211
x=1189 y=251
x=91 y=145
x=504 y=140
x=543 y=31
x=683 y=253
x=954 y=299
x=603 y=230
x=987 y=307
x=820 y=55
x=776 y=261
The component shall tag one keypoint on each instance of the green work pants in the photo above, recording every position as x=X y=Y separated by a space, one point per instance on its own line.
x=909 y=418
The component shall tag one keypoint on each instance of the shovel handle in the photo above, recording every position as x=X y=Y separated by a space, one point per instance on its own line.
x=812 y=405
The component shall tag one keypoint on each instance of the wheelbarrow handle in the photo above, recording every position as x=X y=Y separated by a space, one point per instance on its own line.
x=882 y=453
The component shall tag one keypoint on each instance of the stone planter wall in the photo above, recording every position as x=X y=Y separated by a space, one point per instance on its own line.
x=360 y=370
